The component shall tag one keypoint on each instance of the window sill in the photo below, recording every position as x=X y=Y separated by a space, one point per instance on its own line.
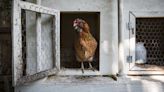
x=78 y=72
x=79 y=80
x=97 y=80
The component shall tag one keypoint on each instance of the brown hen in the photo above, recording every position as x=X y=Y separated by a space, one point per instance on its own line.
x=85 y=43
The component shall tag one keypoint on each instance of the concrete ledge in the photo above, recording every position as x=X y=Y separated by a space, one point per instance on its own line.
x=96 y=84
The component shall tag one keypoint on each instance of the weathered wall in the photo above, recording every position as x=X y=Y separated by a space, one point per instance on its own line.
x=5 y=14
x=106 y=54
x=5 y=37
x=5 y=46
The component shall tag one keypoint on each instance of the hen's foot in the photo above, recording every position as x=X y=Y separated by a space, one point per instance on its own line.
x=90 y=66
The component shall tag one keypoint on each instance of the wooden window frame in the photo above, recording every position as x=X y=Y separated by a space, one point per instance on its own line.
x=17 y=62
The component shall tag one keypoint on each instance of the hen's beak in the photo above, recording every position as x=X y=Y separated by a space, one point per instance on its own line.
x=77 y=29
x=75 y=26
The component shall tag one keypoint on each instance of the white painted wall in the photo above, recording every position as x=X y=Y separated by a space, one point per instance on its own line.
x=109 y=55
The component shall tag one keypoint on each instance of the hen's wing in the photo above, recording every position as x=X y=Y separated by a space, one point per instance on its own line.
x=90 y=47
x=85 y=47
x=80 y=51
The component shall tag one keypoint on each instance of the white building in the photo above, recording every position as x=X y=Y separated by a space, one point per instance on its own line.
x=42 y=45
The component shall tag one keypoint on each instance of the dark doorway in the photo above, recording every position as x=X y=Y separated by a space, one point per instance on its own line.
x=67 y=36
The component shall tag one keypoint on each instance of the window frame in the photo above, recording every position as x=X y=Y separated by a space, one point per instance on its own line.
x=17 y=62
x=133 y=15
x=78 y=71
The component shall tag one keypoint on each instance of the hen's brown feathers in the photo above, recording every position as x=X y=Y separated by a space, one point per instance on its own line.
x=85 y=45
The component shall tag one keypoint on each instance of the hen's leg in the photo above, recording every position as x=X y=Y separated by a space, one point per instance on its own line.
x=82 y=67
x=91 y=67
